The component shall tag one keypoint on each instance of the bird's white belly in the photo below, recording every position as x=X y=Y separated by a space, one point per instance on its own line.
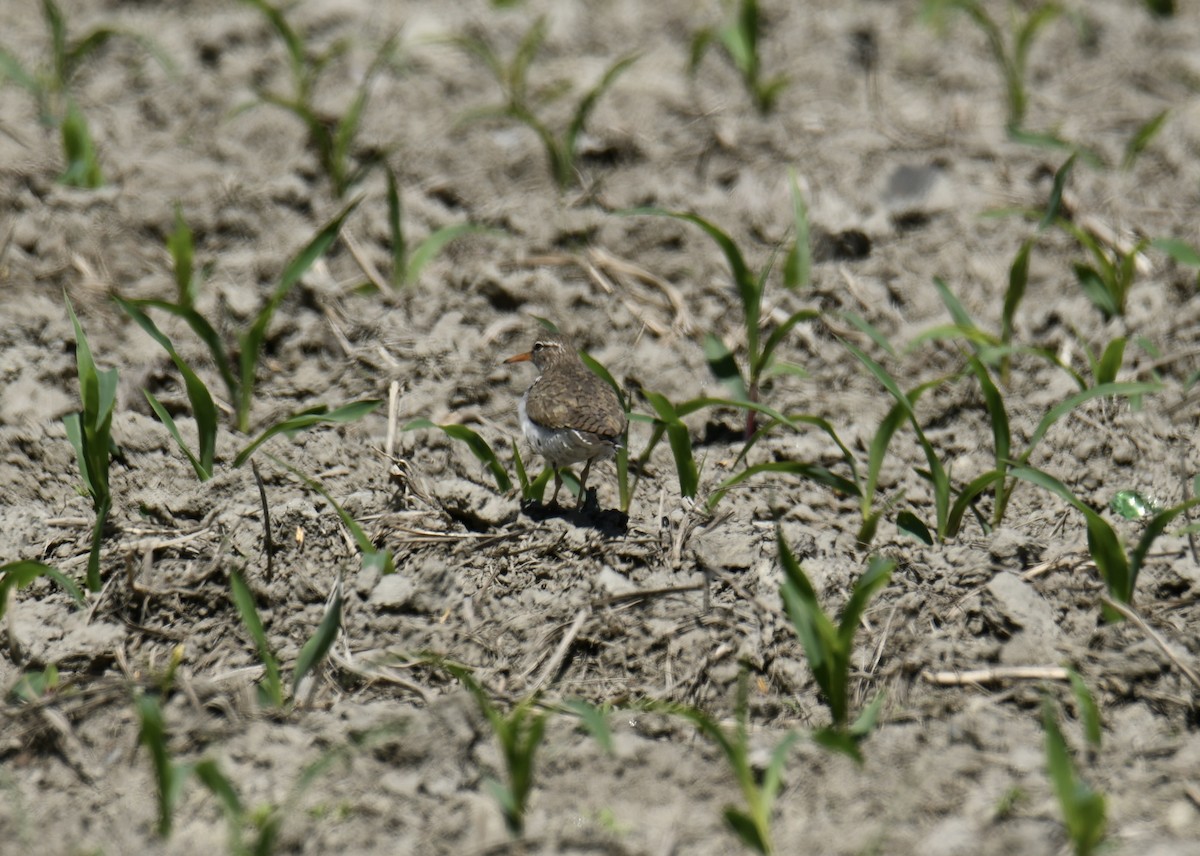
x=563 y=446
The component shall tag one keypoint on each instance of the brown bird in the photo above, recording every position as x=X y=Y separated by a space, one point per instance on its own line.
x=569 y=414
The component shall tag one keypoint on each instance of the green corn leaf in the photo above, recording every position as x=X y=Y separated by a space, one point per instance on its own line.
x=1142 y=138
x=251 y=341
x=744 y=828
x=203 y=409
x=202 y=473
x=479 y=448
x=306 y=419
x=878 y=573
x=218 y=785
x=434 y=244
x=19 y=574
x=317 y=647
x=588 y=103
x=797 y=267
x=1054 y=205
x=204 y=330
x=171 y=777
x=1089 y=714
x=396 y=231
x=1105 y=390
x=909 y=523
x=681 y=443
x=1182 y=252
x=83 y=166
x=180 y=244
x=724 y=367
x=243 y=600
x=1110 y=361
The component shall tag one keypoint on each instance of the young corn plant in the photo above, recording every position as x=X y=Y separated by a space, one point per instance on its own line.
x=751 y=824
x=90 y=434
x=1118 y=568
x=1001 y=479
x=519 y=734
x=169 y=775
x=312 y=654
x=50 y=86
x=331 y=138
x=1011 y=55
x=239 y=373
x=829 y=646
x=408 y=262
x=524 y=107
x=19 y=574
x=744 y=384
x=738 y=38
x=372 y=557
x=1083 y=809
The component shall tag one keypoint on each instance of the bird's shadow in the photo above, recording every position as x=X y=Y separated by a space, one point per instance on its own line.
x=608 y=522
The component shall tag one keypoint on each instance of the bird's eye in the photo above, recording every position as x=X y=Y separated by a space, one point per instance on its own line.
x=538 y=346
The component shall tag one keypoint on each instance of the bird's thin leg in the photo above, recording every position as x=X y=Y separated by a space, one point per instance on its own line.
x=583 y=485
x=557 y=485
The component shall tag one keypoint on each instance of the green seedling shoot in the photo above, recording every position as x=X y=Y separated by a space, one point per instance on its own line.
x=523 y=106
x=829 y=646
x=331 y=138
x=751 y=824
x=1083 y=809
x=739 y=39
x=518 y=733
x=90 y=434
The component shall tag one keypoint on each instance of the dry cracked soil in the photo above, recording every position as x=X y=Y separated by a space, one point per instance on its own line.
x=896 y=132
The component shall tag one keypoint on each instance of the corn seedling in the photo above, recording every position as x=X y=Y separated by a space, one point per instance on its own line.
x=936 y=473
x=1108 y=279
x=1000 y=477
x=739 y=38
x=408 y=262
x=90 y=434
x=828 y=647
x=670 y=422
x=519 y=734
x=1118 y=569
x=1142 y=138
x=744 y=385
x=270 y=690
x=181 y=246
x=1083 y=809
x=79 y=152
x=312 y=653
x=19 y=574
x=240 y=375
x=523 y=106
x=1010 y=55
x=34 y=686
x=50 y=85
x=479 y=447
x=372 y=558
x=331 y=138
x=170 y=776
x=751 y=824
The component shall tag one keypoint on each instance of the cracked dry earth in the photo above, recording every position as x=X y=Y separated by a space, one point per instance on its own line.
x=899 y=167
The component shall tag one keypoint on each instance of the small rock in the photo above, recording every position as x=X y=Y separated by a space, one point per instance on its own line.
x=395 y=591
x=727 y=546
x=474 y=505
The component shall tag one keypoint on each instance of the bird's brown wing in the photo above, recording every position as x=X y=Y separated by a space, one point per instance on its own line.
x=584 y=402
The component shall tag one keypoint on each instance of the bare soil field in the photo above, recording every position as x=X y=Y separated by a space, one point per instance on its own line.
x=897 y=134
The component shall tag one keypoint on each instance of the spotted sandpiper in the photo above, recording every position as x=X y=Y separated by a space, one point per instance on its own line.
x=569 y=414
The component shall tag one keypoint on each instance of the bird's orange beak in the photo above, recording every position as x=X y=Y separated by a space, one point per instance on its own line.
x=520 y=358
